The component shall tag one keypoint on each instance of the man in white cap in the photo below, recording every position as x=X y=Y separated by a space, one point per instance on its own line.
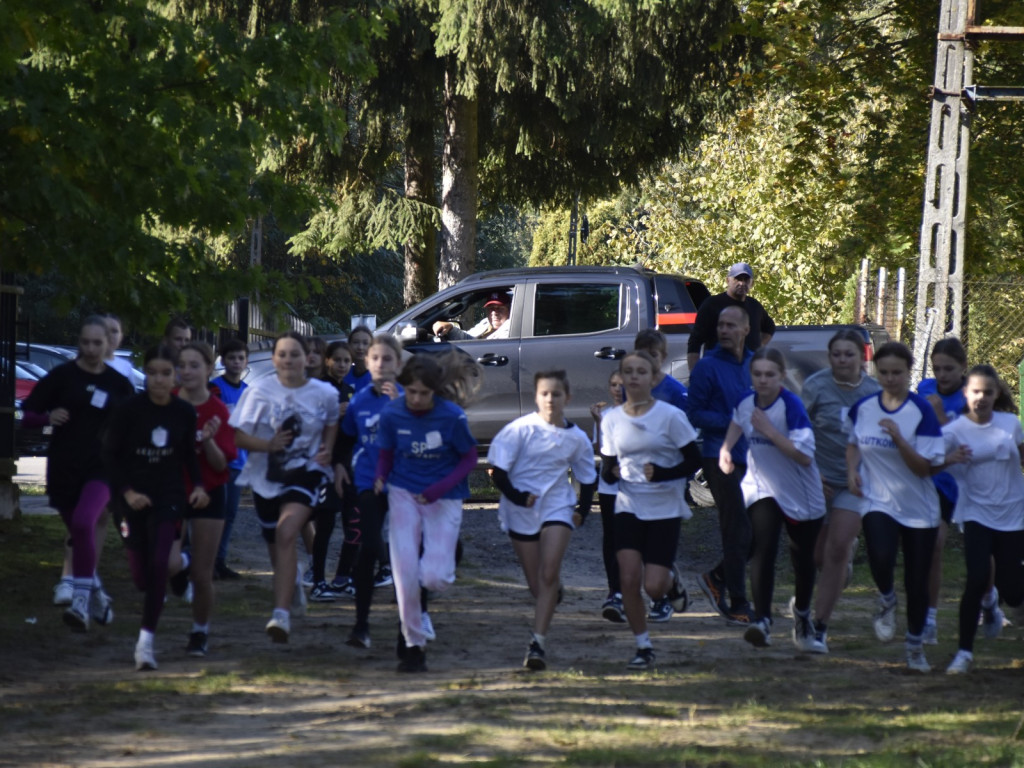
x=737 y=294
x=493 y=326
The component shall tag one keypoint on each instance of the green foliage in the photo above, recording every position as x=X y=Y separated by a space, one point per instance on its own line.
x=132 y=140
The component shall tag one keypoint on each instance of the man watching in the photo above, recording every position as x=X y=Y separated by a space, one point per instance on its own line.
x=737 y=294
x=493 y=326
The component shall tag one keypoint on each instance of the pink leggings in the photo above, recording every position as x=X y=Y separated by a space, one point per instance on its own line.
x=81 y=525
x=435 y=527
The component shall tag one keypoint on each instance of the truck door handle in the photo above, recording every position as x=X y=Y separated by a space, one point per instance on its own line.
x=609 y=353
x=492 y=360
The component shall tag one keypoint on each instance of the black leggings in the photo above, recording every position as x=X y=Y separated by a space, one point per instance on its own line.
x=982 y=545
x=324 y=519
x=767 y=520
x=372 y=509
x=734 y=523
x=883 y=536
x=611 y=561
x=149 y=542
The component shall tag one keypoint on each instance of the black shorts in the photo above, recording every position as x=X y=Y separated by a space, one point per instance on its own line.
x=306 y=490
x=655 y=540
x=536 y=536
x=64 y=494
x=212 y=511
x=946 y=508
x=138 y=526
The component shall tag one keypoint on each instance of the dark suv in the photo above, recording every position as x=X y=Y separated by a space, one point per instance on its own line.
x=580 y=319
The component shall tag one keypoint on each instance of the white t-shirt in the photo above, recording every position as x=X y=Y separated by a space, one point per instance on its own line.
x=770 y=473
x=653 y=438
x=886 y=480
x=124 y=367
x=267 y=405
x=608 y=489
x=991 y=484
x=536 y=456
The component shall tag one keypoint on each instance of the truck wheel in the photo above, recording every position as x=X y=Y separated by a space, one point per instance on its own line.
x=699 y=491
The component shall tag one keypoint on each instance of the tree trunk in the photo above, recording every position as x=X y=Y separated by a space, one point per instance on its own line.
x=420 y=264
x=458 y=186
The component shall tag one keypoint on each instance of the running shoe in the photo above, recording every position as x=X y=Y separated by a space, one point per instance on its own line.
x=344 y=585
x=644 y=659
x=224 y=571
x=820 y=638
x=383 y=577
x=144 y=658
x=930 y=634
x=885 y=620
x=916 y=661
x=307 y=577
x=279 y=629
x=428 y=627
x=677 y=593
x=76 y=615
x=714 y=588
x=961 y=663
x=759 y=633
x=661 y=611
x=992 y=618
x=415 y=660
x=804 y=637
x=359 y=637
x=99 y=606
x=63 y=592
x=196 y=645
x=324 y=593
x=739 y=616
x=612 y=609
x=535 y=657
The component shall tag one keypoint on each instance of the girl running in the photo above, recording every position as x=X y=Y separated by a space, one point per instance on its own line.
x=288 y=424
x=339 y=363
x=426 y=454
x=893 y=445
x=641 y=444
x=77 y=399
x=215 y=448
x=149 y=450
x=538 y=508
x=987 y=445
x=828 y=396
x=946 y=394
x=359 y=340
x=781 y=487
x=612 y=608
x=357 y=449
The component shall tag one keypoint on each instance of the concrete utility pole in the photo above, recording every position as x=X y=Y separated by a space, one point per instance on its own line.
x=954 y=95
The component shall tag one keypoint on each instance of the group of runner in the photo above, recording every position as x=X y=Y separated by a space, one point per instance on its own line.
x=362 y=429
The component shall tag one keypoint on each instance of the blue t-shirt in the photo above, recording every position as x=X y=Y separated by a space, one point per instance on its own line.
x=670 y=390
x=229 y=395
x=361 y=421
x=427 y=446
x=953 y=404
x=357 y=381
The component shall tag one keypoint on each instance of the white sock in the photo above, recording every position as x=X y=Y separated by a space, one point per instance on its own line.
x=888 y=599
x=540 y=639
x=204 y=628
x=145 y=637
x=281 y=614
x=989 y=600
x=643 y=640
x=932 y=614
x=82 y=588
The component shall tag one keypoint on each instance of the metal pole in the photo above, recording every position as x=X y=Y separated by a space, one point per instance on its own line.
x=860 y=310
x=901 y=301
x=880 y=306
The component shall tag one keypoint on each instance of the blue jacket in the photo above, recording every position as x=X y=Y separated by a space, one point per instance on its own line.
x=717 y=383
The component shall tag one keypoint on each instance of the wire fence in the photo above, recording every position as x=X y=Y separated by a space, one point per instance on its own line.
x=993 y=317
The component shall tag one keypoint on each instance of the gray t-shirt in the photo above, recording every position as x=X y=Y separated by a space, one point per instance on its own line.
x=827 y=404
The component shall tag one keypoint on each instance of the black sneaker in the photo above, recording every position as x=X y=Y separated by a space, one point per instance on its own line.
x=677 y=593
x=644 y=659
x=383 y=577
x=612 y=609
x=179 y=581
x=344 y=585
x=535 y=657
x=323 y=593
x=415 y=660
x=714 y=588
x=739 y=615
x=359 y=637
x=196 y=644
x=223 y=571
x=660 y=611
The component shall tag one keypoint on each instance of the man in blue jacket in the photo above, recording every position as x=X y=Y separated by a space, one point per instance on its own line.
x=717 y=383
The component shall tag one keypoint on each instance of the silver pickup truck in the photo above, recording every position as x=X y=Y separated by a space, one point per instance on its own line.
x=583 y=320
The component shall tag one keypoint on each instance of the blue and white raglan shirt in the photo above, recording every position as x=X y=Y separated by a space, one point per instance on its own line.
x=770 y=473
x=362 y=421
x=886 y=480
x=536 y=456
x=953 y=405
x=427 y=446
x=230 y=394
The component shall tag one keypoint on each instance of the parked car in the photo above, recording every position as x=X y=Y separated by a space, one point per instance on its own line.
x=28 y=441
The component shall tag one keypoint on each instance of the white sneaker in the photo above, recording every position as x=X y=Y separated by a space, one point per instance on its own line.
x=76 y=615
x=916 y=660
x=759 y=633
x=961 y=663
x=63 y=592
x=930 y=635
x=99 y=606
x=804 y=637
x=144 y=658
x=428 y=627
x=279 y=629
x=992 y=619
x=885 y=621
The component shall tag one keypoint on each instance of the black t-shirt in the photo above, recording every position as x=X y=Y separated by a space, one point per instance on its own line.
x=90 y=399
x=705 y=327
x=150 y=448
